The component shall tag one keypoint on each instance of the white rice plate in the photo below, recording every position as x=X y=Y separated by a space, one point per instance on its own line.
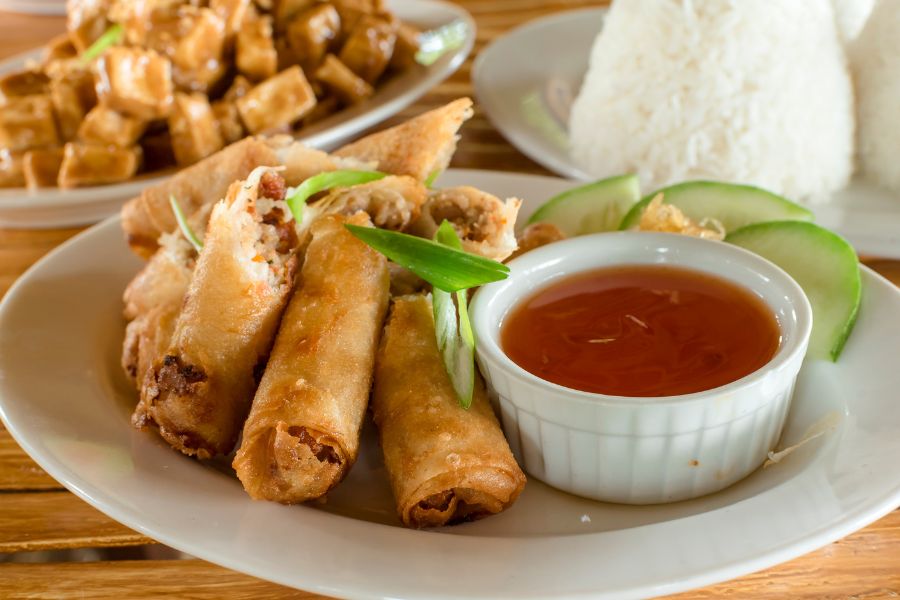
x=732 y=90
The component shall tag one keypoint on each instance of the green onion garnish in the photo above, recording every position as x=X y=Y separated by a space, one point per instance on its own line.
x=445 y=268
x=455 y=338
x=183 y=225
x=297 y=197
x=110 y=37
x=434 y=175
x=435 y=43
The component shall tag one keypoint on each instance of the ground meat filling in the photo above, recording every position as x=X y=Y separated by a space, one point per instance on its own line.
x=179 y=378
x=272 y=185
x=320 y=451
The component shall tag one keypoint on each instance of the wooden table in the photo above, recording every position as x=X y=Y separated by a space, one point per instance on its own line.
x=38 y=514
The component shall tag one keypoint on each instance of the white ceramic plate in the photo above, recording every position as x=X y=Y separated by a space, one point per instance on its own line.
x=64 y=399
x=52 y=207
x=528 y=101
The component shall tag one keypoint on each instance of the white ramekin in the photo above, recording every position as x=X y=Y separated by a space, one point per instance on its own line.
x=642 y=450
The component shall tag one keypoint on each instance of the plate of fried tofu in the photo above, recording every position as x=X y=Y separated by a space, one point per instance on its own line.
x=136 y=91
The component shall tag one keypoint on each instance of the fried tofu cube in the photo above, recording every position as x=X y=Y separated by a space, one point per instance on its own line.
x=277 y=101
x=60 y=47
x=352 y=11
x=343 y=82
x=104 y=125
x=232 y=13
x=41 y=167
x=23 y=83
x=192 y=125
x=240 y=86
x=27 y=122
x=369 y=47
x=229 y=121
x=72 y=93
x=95 y=164
x=135 y=82
x=311 y=33
x=86 y=21
x=12 y=173
x=202 y=42
x=255 y=51
x=285 y=10
x=406 y=48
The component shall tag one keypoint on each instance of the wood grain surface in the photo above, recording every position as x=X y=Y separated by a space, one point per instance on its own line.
x=36 y=513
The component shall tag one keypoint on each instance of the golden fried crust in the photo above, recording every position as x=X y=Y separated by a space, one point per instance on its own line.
x=149 y=215
x=417 y=147
x=446 y=464
x=302 y=434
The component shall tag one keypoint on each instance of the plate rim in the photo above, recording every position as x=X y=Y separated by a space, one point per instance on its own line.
x=823 y=535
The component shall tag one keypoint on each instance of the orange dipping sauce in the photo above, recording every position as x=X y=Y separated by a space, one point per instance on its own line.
x=641 y=331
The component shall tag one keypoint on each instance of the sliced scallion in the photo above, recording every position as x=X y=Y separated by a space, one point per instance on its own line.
x=186 y=230
x=297 y=197
x=445 y=268
x=110 y=37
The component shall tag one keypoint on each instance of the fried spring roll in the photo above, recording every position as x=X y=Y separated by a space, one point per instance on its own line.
x=392 y=202
x=199 y=392
x=302 y=435
x=149 y=215
x=446 y=464
x=484 y=223
x=146 y=339
x=164 y=279
x=418 y=147
x=201 y=185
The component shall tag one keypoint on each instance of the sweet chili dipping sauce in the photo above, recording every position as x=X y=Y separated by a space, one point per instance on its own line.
x=641 y=330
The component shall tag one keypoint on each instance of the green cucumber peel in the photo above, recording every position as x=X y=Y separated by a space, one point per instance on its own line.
x=590 y=208
x=826 y=267
x=732 y=205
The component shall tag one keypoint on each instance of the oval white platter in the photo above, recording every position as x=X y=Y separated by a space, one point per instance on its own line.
x=64 y=399
x=53 y=207
x=528 y=102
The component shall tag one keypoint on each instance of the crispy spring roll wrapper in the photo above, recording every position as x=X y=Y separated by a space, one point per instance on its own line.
x=484 y=223
x=302 y=434
x=164 y=279
x=146 y=339
x=201 y=185
x=419 y=147
x=536 y=235
x=446 y=464
x=199 y=392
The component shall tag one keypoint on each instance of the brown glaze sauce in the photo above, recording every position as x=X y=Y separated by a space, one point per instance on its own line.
x=641 y=331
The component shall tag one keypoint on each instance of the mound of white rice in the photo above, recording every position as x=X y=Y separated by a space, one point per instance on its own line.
x=751 y=92
x=876 y=67
x=851 y=16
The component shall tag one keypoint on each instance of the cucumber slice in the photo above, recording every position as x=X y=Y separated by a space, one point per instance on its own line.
x=824 y=265
x=733 y=205
x=590 y=208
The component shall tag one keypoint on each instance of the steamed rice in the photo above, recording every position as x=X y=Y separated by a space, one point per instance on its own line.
x=876 y=65
x=720 y=89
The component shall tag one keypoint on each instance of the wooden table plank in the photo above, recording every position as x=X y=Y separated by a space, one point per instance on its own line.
x=815 y=576
x=18 y=472
x=54 y=520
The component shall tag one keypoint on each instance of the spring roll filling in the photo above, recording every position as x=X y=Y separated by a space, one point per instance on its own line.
x=323 y=452
x=392 y=203
x=268 y=236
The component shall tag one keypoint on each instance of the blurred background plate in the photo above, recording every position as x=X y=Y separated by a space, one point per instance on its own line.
x=52 y=207
x=529 y=100
x=34 y=7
